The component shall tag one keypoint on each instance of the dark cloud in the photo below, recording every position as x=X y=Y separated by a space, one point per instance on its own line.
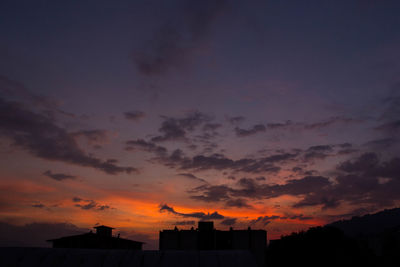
x=381 y=144
x=235 y=120
x=199 y=215
x=211 y=126
x=38 y=205
x=290 y=125
x=251 y=188
x=35 y=234
x=330 y=122
x=88 y=204
x=345 y=145
x=297 y=169
x=364 y=163
x=77 y=199
x=16 y=92
x=258 y=128
x=391 y=105
x=390 y=127
x=184 y=223
x=323 y=151
x=145 y=146
x=312 y=155
x=364 y=180
x=93 y=137
x=192 y=177
x=134 y=115
x=300 y=217
x=58 y=176
x=175 y=42
x=213 y=193
x=265 y=220
x=230 y=221
x=175 y=129
x=347 y=151
x=321 y=148
x=221 y=162
x=238 y=203
x=284 y=125
x=43 y=138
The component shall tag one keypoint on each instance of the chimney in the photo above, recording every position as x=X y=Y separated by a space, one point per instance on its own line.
x=103 y=230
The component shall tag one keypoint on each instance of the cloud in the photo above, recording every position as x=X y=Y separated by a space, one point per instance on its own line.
x=258 y=128
x=284 y=125
x=42 y=137
x=17 y=92
x=290 y=125
x=77 y=199
x=238 y=203
x=230 y=221
x=58 y=176
x=175 y=129
x=38 y=205
x=300 y=217
x=199 y=215
x=381 y=144
x=364 y=180
x=88 y=204
x=221 y=162
x=265 y=220
x=184 y=223
x=214 y=193
x=390 y=127
x=134 y=115
x=321 y=148
x=211 y=126
x=145 y=146
x=365 y=163
x=192 y=177
x=235 y=120
x=38 y=233
x=250 y=188
x=174 y=44
x=93 y=137
x=329 y=122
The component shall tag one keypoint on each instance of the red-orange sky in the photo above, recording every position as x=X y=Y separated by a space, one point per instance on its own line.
x=143 y=115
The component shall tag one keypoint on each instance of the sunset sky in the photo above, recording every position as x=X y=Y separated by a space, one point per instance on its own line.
x=143 y=115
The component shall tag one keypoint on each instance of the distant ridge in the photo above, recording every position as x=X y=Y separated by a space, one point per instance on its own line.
x=369 y=224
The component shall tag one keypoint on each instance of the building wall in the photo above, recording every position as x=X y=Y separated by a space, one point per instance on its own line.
x=252 y=240
x=240 y=239
x=188 y=240
x=169 y=240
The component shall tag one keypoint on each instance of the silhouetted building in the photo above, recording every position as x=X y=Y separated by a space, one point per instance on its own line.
x=102 y=239
x=208 y=238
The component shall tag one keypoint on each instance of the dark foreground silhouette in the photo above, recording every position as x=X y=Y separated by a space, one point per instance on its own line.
x=370 y=240
x=102 y=239
x=64 y=257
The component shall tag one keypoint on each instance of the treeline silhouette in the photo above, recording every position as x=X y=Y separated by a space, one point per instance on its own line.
x=371 y=240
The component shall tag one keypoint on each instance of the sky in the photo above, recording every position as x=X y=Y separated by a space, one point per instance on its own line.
x=146 y=115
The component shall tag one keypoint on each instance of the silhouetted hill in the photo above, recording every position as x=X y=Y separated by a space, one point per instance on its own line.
x=369 y=240
x=369 y=224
